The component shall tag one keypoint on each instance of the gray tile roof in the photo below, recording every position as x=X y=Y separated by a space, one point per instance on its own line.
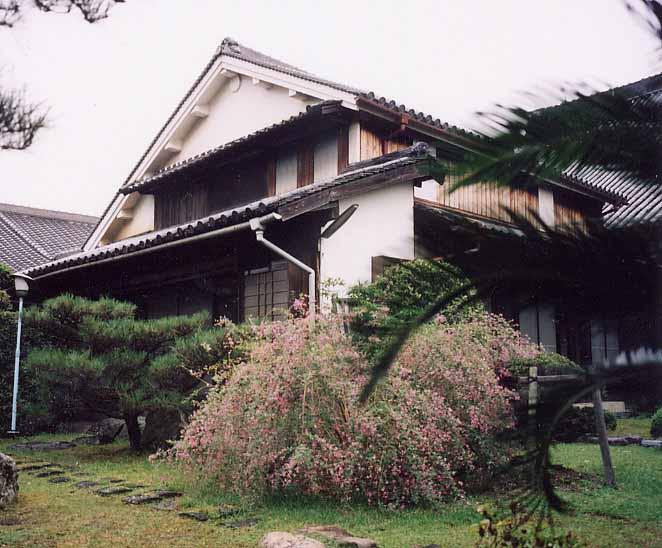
x=31 y=236
x=644 y=198
x=390 y=162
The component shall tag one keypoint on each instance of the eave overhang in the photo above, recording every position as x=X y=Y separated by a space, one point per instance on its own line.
x=411 y=165
x=325 y=115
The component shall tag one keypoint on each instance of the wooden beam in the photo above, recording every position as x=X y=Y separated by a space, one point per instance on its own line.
x=200 y=111
x=174 y=146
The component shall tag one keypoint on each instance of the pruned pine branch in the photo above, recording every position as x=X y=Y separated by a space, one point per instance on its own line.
x=613 y=130
x=19 y=120
x=91 y=10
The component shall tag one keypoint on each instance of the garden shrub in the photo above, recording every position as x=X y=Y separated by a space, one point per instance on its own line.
x=578 y=422
x=656 y=424
x=289 y=420
x=548 y=363
x=399 y=296
x=101 y=359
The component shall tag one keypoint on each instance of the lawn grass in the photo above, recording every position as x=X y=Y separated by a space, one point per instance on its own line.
x=633 y=426
x=51 y=515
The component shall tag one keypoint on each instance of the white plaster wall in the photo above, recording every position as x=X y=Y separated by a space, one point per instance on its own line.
x=383 y=224
x=234 y=114
x=546 y=205
x=286 y=171
x=427 y=190
x=325 y=162
x=142 y=221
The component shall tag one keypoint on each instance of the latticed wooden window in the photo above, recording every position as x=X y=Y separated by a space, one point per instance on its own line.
x=266 y=292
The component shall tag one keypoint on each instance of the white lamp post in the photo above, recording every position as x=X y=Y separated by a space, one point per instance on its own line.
x=21 y=287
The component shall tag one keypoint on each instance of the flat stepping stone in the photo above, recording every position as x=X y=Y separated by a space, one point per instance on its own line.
x=49 y=473
x=113 y=491
x=241 y=523
x=42 y=446
x=142 y=499
x=59 y=479
x=197 y=516
x=165 y=494
x=31 y=467
x=86 y=484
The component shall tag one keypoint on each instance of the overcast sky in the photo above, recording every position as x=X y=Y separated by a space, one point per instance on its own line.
x=111 y=85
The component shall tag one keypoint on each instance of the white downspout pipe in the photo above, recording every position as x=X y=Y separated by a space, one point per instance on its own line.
x=258 y=228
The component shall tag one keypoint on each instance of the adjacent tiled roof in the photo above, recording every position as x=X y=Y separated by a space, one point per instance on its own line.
x=390 y=162
x=31 y=236
x=644 y=198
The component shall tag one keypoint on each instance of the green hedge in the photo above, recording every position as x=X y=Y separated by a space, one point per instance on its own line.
x=656 y=424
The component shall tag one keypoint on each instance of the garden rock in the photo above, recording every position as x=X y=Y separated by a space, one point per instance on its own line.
x=279 y=539
x=107 y=430
x=197 y=516
x=651 y=443
x=340 y=536
x=8 y=481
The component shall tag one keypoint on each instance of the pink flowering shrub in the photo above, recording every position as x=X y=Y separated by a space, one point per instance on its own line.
x=289 y=420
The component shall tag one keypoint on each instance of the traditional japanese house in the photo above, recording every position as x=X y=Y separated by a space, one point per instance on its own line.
x=267 y=181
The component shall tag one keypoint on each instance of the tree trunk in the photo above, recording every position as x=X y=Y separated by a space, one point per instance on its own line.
x=601 y=429
x=133 y=431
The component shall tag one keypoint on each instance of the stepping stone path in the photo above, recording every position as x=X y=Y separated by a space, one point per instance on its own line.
x=142 y=499
x=33 y=467
x=49 y=473
x=197 y=516
x=42 y=446
x=59 y=479
x=113 y=491
x=86 y=484
x=168 y=494
x=162 y=499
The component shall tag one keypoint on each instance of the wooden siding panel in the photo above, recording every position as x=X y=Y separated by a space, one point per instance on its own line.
x=305 y=164
x=371 y=144
x=343 y=148
x=271 y=176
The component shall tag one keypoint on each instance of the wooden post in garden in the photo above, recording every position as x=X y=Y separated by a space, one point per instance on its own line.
x=601 y=429
x=532 y=404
